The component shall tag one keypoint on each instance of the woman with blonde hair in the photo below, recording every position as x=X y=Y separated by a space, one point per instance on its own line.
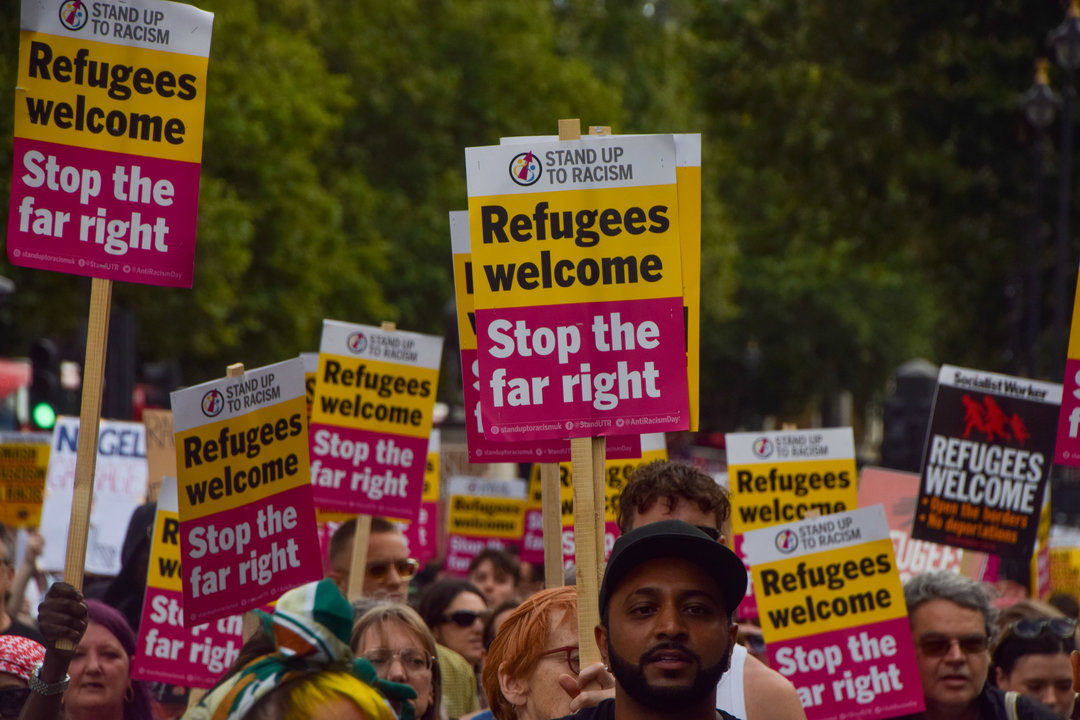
x=401 y=648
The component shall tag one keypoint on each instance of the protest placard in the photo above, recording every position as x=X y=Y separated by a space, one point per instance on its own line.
x=833 y=615
x=497 y=449
x=1067 y=447
x=24 y=460
x=160 y=449
x=778 y=477
x=1065 y=559
x=576 y=338
x=482 y=513
x=108 y=140
x=169 y=651
x=119 y=488
x=247 y=521
x=371 y=419
x=986 y=461
x=897 y=492
x=423 y=533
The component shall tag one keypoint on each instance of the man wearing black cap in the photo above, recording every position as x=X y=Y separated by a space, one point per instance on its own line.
x=666 y=602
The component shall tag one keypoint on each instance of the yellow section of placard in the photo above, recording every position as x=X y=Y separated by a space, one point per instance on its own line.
x=575 y=246
x=466 y=310
x=373 y=395
x=431 y=479
x=768 y=494
x=826 y=591
x=616 y=474
x=1074 y=331
x=235 y=462
x=486 y=516
x=1065 y=570
x=103 y=96
x=110 y=97
x=689 y=189
x=22 y=482
x=164 y=572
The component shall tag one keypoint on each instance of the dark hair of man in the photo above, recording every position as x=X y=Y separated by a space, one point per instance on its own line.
x=665 y=481
x=343 y=536
x=503 y=562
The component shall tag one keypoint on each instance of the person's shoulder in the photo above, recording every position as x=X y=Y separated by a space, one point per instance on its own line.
x=605 y=710
x=448 y=657
x=1028 y=709
x=768 y=694
x=724 y=715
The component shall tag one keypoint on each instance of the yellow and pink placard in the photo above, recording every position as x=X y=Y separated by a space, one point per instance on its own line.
x=577 y=280
x=481 y=448
x=371 y=419
x=482 y=513
x=168 y=650
x=247 y=518
x=108 y=139
x=833 y=615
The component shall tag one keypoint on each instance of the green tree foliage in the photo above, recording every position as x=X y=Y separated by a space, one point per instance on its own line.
x=865 y=181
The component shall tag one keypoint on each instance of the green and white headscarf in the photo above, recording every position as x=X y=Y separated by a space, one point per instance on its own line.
x=310 y=626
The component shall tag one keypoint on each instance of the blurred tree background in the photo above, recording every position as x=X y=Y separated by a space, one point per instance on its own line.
x=866 y=181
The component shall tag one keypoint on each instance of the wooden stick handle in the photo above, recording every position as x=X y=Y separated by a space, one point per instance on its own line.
x=97 y=336
x=359 y=557
x=551 y=510
x=585 y=551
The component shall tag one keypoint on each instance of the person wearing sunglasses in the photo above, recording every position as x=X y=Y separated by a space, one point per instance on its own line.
x=388 y=567
x=1031 y=654
x=455 y=611
x=533 y=668
x=664 y=490
x=397 y=643
x=952 y=623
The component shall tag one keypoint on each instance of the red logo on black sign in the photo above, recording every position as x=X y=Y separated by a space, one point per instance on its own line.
x=990 y=420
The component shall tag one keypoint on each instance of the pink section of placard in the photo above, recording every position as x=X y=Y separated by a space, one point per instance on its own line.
x=102 y=214
x=366 y=472
x=868 y=671
x=484 y=450
x=168 y=652
x=611 y=532
x=532 y=545
x=262 y=549
x=422 y=534
x=1068 y=432
x=463 y=549
x=748 y=607
x=581 y=370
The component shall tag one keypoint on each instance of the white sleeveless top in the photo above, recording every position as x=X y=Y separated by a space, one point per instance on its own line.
x=729 y=692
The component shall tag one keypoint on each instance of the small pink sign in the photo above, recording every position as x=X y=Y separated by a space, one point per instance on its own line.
x=1068 y=430
x=423 y=532
x=463 y=549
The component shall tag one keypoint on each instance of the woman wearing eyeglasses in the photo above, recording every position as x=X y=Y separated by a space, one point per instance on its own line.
x=395 y=640
x=1031 y=654
x=533 y=668
x=455 y=611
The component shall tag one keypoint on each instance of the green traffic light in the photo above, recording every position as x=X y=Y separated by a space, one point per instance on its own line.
x=44 y=415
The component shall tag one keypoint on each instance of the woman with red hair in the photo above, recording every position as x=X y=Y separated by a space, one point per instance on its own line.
x=533 y=669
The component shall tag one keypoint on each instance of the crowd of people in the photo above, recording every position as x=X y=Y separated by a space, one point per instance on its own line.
x=418 y=646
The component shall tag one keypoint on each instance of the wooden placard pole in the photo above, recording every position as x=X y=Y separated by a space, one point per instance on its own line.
x=551 y=512
x=97 y=336
x=358 y=567
x=587 y=465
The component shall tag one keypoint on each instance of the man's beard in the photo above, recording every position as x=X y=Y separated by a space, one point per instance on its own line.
x=631 y=678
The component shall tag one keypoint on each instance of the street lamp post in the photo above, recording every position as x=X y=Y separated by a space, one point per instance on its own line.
x=1039 y=104
x=1065 y=40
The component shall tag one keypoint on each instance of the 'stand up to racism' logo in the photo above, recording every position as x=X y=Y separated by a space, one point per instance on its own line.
x=991 y=421
x=787 y=541
x=763 y=447
x=525 y=168
x=73 y=14
x=213 y=402
x=357 y=343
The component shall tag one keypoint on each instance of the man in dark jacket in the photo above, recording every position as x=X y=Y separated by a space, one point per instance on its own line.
x=952 y=624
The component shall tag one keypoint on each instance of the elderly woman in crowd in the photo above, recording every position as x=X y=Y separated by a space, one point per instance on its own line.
x=401 y=648
x=533 y=668
x=1031 y=654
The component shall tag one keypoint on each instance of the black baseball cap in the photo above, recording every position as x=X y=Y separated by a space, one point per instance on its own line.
x=677 y=539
